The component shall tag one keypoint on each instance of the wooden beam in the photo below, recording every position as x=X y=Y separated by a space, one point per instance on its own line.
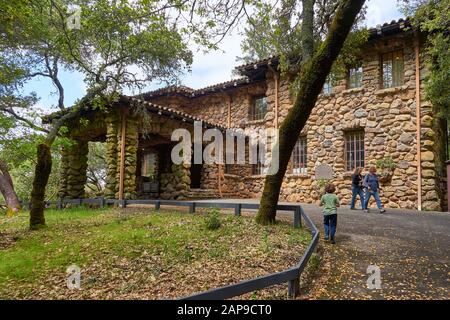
x=123 y=132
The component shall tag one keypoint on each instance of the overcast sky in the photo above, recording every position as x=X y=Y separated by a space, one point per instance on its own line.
x=207 y=69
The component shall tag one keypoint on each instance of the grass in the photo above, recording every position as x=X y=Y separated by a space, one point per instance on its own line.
x=139 y=253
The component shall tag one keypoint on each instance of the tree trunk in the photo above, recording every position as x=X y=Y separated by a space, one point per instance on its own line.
x=7 y=190
x=312 y=78
x=41 y=175
x=307 y=31
x=44 y=160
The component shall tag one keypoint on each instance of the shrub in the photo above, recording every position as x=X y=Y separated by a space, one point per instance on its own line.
x=212 y=221
x=386 y=163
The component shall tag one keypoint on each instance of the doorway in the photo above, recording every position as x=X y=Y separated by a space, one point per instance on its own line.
x=196 y=174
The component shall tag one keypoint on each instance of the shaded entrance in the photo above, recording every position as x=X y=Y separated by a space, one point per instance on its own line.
x=196 y=175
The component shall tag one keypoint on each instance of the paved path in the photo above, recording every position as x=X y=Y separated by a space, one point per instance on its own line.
x=411 y=249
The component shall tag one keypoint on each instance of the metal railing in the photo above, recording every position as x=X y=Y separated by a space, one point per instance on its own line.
x=291 y=275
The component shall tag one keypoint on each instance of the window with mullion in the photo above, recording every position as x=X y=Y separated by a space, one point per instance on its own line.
x=354 y=149
x=299 y=156
x=392 y=69
x=259 y=108
x=259 y=167
x=355 y=76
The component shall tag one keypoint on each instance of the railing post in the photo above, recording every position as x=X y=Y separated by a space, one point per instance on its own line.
x=192 y=207
x=237 y=209
x=157 y=205
x=293 y=288
x=123 y=203
x=80 y=201
x=102 y=202
x=297 y=217
x=60 y=204
x=448 y=186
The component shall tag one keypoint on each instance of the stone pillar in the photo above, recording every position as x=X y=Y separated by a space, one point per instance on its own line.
x=76 y=177
x=177 y=184
x=63 y=173
x=112 y=131
x=431 y=159
x=131 y=148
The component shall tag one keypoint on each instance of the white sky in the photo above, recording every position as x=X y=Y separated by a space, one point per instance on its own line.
x=207 y=69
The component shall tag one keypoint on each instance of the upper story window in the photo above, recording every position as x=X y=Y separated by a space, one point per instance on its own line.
x=355 y=76
x=259 y=108
x=392 y=69
x=328 y=87
x=354 y=149
x=299 y=156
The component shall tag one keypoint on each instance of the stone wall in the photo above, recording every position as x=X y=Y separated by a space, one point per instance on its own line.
x=73 y=170
x=176 y=184
x=387 y=117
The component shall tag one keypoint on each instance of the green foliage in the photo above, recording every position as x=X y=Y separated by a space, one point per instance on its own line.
x=275 y=29
x=386 y=163
x=212 y=220
x=433 y=18
x=321 y=183
x=96 y=171
x=266 y=246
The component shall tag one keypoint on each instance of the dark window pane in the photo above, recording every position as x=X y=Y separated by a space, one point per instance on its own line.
x=354 y=143
x=299 y=156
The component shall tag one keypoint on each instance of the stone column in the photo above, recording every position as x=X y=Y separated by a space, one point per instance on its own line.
x=76 y=178
x=112 y=131
x=63 y=173
x=131 y=147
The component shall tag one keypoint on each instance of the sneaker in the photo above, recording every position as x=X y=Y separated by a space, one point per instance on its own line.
x=382 y=211
x=366 y=210
x=352 y=209
x=332 y=241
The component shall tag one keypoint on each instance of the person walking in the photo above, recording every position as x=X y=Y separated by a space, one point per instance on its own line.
x=357 y=188
x=330 y=202
x=372 y=186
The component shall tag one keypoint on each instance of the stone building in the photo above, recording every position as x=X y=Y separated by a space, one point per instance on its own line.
x=377 y=115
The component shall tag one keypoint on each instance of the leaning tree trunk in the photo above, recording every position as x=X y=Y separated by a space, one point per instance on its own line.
x=7 y=190
x=44 y=160
x=41 y=175
x=313 y=77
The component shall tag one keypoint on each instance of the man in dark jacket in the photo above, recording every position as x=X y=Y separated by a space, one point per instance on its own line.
x=373 y=186
x=357 y=188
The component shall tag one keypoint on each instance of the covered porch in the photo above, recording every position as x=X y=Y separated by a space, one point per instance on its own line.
x=138 y=142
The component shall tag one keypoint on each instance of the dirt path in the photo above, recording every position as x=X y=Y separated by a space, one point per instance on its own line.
x=411 y=249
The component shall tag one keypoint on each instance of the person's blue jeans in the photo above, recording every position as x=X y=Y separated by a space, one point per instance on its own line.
x=330 y=223
x=376 y=195
x=357 y=190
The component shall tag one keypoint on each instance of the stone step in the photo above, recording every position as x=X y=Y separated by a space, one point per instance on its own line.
x=208 y=194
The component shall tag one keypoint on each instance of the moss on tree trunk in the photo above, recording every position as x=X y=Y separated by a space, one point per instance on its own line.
x=313 y=76
x=42 y=173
